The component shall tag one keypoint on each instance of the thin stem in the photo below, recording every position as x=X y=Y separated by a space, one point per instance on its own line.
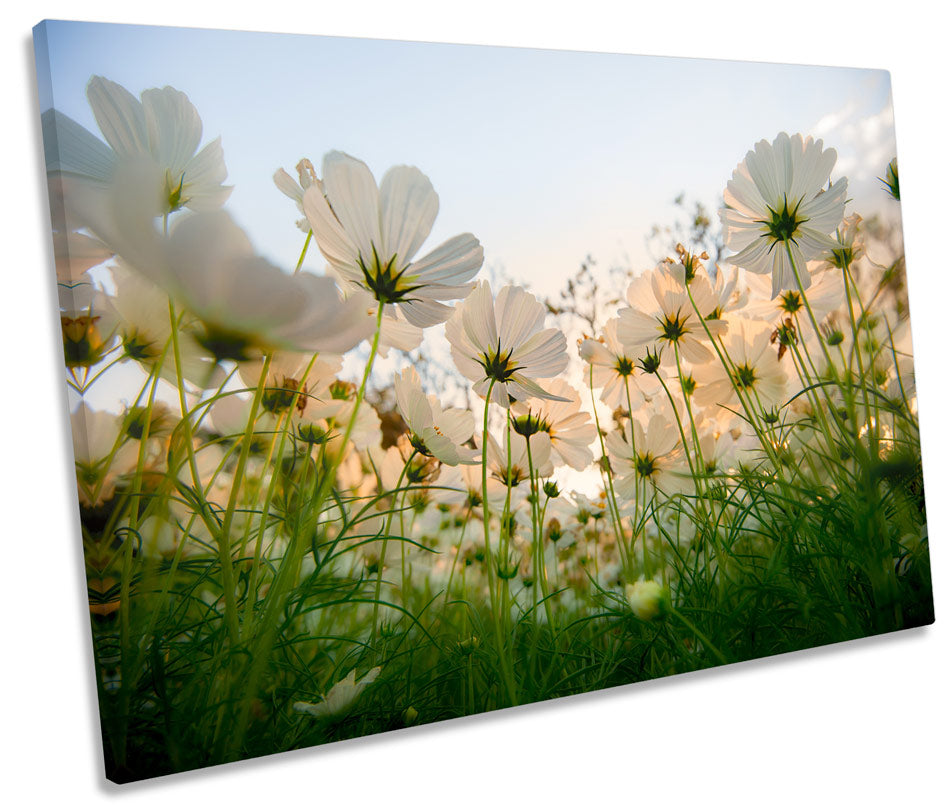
x=609 y=481
x=538 y=538
x=224 y=547
x=486 y=516
x=303 y=253
x=382 y=555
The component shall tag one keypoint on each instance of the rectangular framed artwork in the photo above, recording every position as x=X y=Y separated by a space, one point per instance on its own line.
x=474 y=378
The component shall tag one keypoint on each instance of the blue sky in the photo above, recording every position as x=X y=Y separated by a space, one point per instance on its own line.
x=546 y=156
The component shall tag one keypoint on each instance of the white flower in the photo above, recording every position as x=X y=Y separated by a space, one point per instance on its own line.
x=292 y=379
x=166 y=127
x=229 y=417
x=159 y=537
x=516 y=475
x=776 y=203
x=755 y=370
x=656 y=461
x=586 y=508
x=569 y=428
x=143 y=322
x=645 y=598
x=245 y=304
x=727 y=294
x=504 y=341
x=88 y=324
x=614 y=368
x=852 y=243
x=461 y=485
x=295 y=190
x=101 y=452
x=435 y=432
x=340 y=698
x=719 y=450
x=661 y=313
x=325 y=416
x=370 y=234
x=825 y=294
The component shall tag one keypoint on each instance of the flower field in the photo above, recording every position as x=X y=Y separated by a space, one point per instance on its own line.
x=286 y=546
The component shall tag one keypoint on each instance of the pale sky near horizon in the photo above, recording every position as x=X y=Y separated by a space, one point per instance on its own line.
x=546 y=156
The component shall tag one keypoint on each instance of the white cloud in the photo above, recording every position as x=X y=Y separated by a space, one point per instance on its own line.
x=864 y=139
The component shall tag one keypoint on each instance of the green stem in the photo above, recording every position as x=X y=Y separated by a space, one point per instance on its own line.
x=276 y=598
x=702 y=638
x=382 y=555
x=303 y=253
x=537 y=539
x=609 y=485
x=490 y=559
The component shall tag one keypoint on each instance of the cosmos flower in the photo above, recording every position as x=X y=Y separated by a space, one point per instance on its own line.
x=245 y=304
x=569 y=428
x=166 y=127
x=661 y=313
x=614 y=367
x=323 y=415
x=756 y=370
x=292 y=379
x=101 y=452
x=434 y=431
x=503 y=340
x=370 y=234
x=460 y=485
x=508 y=463
x=140 y=310
x=727 y=294
x=646 y=598
x=340 y=698
x=295 y=189
x=777 y=203
x=851 y=242
x=87 y=322
x=656 y=461
x=825 y=294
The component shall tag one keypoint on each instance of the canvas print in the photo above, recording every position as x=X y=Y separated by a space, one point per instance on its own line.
x=412 y=381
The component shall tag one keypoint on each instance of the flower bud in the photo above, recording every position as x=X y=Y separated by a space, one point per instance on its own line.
x=646 y=599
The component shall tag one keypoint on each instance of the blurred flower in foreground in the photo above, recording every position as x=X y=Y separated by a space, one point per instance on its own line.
x=776 y=204
x=245 y=304
x=101 y=454
x=140 y=310
x=646 y=598
x=370 y=234
x=340 y=698
x=166 y=127
x=504 y=340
